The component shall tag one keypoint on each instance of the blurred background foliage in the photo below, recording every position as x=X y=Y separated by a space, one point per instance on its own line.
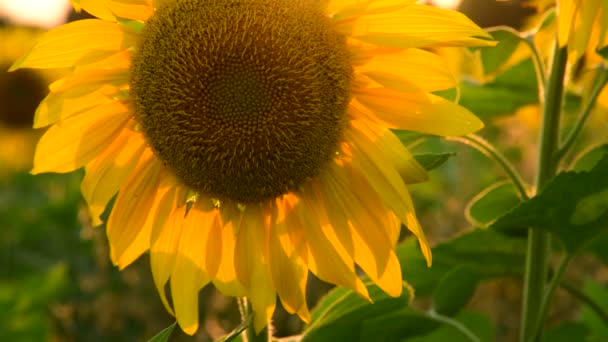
x=58 y=284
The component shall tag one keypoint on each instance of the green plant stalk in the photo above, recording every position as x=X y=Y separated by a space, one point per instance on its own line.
x=489 y=150
x=461 y=328
x=538 y=252
x=250 y=335
x=548 y=297
x=598 y=85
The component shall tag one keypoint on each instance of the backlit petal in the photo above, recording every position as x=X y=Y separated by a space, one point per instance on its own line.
x=251 y=264
x=583 y=23
x=410 y=67
x=78 y=42
x=78 y=92
x=288 y=271
x=327 y=258
x=384 y=179
x=110 y=9
x=421 y=112
x=189 y=275
x=106 y=174
x=566 y=10
x=164 y=238
x=74 y=142
x=126 y=227
x=420 y=26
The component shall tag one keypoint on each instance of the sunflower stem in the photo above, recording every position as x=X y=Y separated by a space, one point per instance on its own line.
x=250 y=335
x=538 y=253
x=598 y=85
x=547 y=298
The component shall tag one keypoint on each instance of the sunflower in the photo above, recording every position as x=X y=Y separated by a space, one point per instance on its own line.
x=249 y=141
x=583 y=28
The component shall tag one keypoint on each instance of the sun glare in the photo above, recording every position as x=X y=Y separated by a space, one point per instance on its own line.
x=42 y=13
x=450 y=4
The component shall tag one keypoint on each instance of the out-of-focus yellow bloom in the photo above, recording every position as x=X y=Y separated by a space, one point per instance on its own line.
x=275 y=114
x=20 y=93
x=582 y=24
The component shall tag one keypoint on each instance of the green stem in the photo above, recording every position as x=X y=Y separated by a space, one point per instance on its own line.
x=454 y=324
x=537 y=256
x=548 y=297
x=582 y=297
x=250 y=335
x=539 y=66
x=598 y=85
x=491 y=152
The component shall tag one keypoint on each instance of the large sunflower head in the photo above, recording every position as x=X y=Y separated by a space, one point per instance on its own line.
x=249 y=141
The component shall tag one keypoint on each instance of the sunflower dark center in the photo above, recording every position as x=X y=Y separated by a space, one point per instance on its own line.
x=242 y=99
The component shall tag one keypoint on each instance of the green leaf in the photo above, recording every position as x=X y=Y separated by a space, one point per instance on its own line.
x=513 y=89
x=494 y=59
x=455 y=290
x=396 y=325
x=567 y=332
x=340 y=314
x=492 y=203
x=597 y=247
x=477 y=323
x=485 y=252
x=599 y=294
x=236 y=333
x=573 y=207
x=588 y=159
x=164 y=335
x=432 y=161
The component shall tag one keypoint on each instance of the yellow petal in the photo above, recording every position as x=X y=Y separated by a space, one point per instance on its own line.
x=131 y=210
x=384 y=178
x=78 y=92
x=206 y=219
x=582 y=25
x=419 y=26
x=603 y=26
x=363 y=216
x=74 y=142
x=421 y=112
x=409 y=69
x=164 y=238
x=106 y=174
x=287 y=270
x=251 y=264
x=189 y=274
x=74 y=43
x=110 y=9
x=225 y=279
x=566 y=10
x=347 y=9
x=327 y=258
